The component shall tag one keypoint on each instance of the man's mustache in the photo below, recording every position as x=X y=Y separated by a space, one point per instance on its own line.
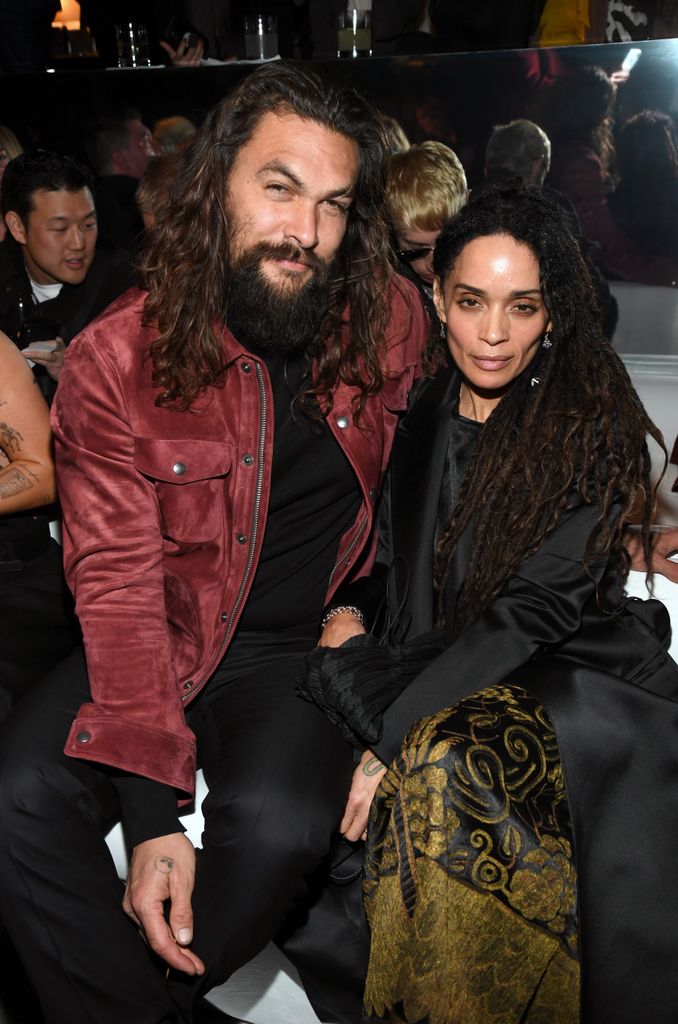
x=286 y=251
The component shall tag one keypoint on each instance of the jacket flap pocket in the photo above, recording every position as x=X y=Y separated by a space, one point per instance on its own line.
x=183 y=460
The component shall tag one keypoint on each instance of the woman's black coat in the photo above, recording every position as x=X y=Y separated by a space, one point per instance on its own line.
x=610 y=689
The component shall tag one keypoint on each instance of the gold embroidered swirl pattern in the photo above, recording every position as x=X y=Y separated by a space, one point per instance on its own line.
x=470 y=881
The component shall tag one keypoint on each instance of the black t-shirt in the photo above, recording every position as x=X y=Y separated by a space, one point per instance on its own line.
x=314 y=500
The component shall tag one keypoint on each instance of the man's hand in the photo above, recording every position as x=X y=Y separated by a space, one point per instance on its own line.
x=164 y=869
x=664 y=544
x=340 y=627
x=366 y=778
x=52 y=359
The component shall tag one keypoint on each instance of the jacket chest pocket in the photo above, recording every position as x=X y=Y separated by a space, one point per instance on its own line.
x=188 y=476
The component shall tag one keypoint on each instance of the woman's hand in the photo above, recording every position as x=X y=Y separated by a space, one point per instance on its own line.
x=366 y=778
x=341 y=627
x=664 y=544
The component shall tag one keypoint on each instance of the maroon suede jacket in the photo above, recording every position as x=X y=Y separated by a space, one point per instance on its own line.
x=164 y=514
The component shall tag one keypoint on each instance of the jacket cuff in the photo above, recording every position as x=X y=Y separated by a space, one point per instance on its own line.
x=99 y=735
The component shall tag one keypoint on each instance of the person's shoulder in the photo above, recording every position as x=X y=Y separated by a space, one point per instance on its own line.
x=408 y=326
x=403 y=296
x=6 y=261
x=430 y=394
x=8 y=349
x=12 y=269
x=13 y=366
x=119 y=329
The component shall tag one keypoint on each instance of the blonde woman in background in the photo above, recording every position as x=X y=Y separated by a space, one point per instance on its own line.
x=426 y=187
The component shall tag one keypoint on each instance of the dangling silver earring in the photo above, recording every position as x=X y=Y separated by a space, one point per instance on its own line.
x=443 y=330
x=535 y=381
x=546 y=340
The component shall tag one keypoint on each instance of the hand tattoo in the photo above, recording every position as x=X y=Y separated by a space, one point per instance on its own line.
x=13 y=482
x=164 y=865
x=373 y=766
x=10 y=439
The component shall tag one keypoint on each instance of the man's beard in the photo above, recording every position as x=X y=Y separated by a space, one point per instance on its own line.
x=276 y=317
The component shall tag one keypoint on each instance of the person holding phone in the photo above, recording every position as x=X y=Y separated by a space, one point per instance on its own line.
x=53 y=280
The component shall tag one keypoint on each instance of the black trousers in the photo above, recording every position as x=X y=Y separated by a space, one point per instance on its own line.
x=37 y=623
x=278 y=774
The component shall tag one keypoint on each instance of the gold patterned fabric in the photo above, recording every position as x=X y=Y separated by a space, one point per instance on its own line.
x=470 y=879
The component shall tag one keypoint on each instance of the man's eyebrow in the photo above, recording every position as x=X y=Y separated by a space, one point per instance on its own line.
x=460 y=286
x=281 y=168
x=64 y=217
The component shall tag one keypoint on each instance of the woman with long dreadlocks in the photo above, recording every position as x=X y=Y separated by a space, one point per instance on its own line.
x=520 y=859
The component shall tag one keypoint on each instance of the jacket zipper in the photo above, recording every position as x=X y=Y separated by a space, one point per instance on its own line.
x=351 y=548
x=254 y=532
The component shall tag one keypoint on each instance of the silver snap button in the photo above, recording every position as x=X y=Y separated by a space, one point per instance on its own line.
x=372 y=493
x=178 y=468
x=188 y=684
x=84 y=737
x=247 y=460
x=246 y=368
x=342 y=422
x=241 y=538
x=223 y=616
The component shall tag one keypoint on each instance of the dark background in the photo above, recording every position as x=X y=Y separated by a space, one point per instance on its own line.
x=456 y=98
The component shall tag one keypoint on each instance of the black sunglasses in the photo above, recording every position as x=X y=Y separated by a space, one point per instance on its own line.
x=410 y=255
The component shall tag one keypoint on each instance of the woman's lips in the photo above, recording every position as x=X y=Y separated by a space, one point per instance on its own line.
x=489 y=362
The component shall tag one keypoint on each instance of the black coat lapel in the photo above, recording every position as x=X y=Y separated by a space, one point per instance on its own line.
x=417 y=469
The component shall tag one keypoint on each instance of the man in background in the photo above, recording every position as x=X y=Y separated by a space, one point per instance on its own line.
x=519 y=149
x=54 y=279
x=119 y=150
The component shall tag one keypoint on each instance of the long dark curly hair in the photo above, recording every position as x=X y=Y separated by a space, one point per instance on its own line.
x=578 y=435
x=186 y=265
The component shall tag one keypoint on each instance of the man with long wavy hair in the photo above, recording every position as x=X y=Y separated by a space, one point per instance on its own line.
x=221 y=437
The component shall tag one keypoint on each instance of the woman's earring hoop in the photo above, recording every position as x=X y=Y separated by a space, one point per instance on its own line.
x=546 y=340
x=443 y=330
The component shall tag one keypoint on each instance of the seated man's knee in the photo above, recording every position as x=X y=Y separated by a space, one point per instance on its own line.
x=42 y=797
x=276 y=827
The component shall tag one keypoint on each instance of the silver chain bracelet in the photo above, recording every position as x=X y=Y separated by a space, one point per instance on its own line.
x=340 y=608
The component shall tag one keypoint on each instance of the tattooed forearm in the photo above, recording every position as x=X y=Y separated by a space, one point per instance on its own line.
x=373 y=766
x=13 y=482
x=10 y=439
x=164 y=865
